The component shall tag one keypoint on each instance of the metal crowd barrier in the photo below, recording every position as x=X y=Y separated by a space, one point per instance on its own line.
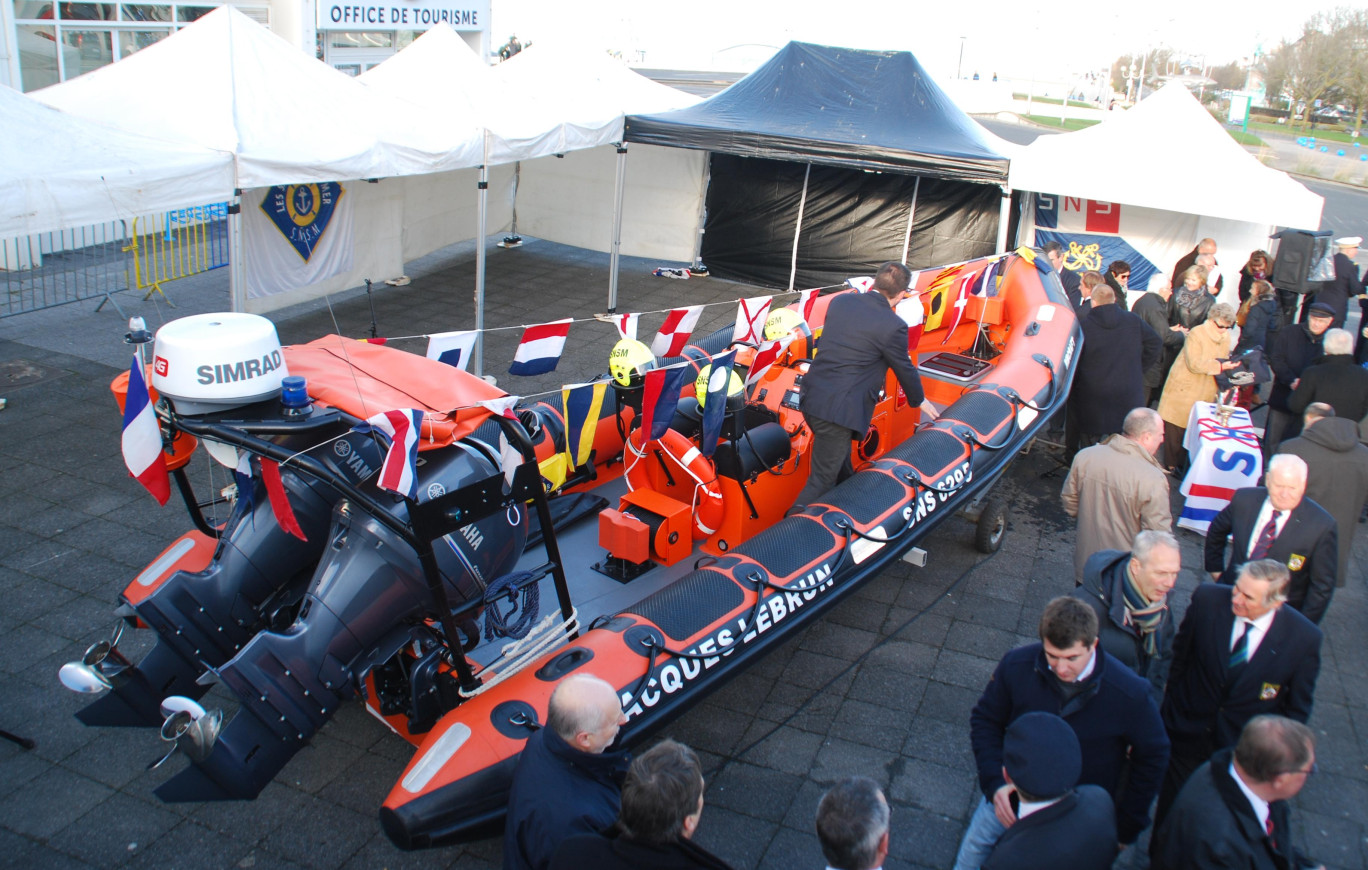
x=177 y=244
x=50 y=269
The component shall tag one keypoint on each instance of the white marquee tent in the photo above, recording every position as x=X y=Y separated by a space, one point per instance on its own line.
x=1159 y=176
x=59 y=171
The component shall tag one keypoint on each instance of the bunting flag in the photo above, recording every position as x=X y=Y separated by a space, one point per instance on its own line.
x=675 y=331
x=626 y=325
x=399 y=472
x=540 y=348
x=961 y=302
x=861 y=285
x=766 y=357
x=806 y=300
x=937 y=297
x=750 y=319
x=660 y=399
x=373 y=340
x=914 y=315
x=142 y=441
x=453 y=348
x=242 y=475
x=582 y=404
x=510 y=457
x=987 y=284
x=715 y=405
x=280 y=501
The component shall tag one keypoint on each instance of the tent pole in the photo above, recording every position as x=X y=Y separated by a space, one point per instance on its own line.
x=237 y=287
x=798 y=229
x=616 y=250
x=911 y=215
x=1004 y=217
x=483 y=217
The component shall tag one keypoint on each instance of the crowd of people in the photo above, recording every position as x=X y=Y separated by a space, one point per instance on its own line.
x=1117 y=720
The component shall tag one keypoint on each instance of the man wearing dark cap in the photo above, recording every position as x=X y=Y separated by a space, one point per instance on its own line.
x=1057 y=825
x=1295 y=347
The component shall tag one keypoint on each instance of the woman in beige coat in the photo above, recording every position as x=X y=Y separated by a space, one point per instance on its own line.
x=1192 y=379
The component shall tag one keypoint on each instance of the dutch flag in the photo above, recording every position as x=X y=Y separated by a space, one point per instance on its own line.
x=540 y=348
x=142 y=443
x=399 y=473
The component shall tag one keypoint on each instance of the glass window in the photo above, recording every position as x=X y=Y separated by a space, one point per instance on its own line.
x=132 y=40
x=37 y=57
x=86 y=50
x=144 y=12
x=192 y=13
x=351 y=69
x=374 y=39
x=85 y=12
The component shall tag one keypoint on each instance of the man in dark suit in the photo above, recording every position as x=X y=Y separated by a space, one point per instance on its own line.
x=1239 y=653
x=1234 y=811
x=1118 y=348
x=1336 y=380
x=1054 y=252
x=1278 y=522
x=861 y=340
x=1058 y=824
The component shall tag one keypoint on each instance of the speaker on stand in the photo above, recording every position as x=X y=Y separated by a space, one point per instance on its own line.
x=1298 y=252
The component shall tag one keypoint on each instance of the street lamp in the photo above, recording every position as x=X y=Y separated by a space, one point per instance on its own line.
x=959 y=69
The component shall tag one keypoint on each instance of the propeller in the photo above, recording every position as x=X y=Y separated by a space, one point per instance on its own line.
x=189 y=728
x=98 y=668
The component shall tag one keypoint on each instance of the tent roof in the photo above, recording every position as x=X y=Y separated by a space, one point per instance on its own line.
x=589 y=93
x=1166 y=153
x=838 y=106
x=226 y=82
x=58 y=171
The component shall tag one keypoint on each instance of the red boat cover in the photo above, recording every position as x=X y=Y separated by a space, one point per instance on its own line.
x=364 y=379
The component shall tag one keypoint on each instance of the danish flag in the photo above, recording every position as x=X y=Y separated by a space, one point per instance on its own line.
x=675 y=331
x=750 y=319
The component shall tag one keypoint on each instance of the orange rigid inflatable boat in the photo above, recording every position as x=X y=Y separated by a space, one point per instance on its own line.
x=665 y=571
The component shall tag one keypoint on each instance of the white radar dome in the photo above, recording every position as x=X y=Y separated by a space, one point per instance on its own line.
x=213 y=362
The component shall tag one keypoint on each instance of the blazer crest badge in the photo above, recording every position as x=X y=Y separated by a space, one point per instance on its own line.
x=1295 y=562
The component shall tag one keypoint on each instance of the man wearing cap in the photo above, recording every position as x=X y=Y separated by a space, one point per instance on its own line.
x=1059 y=823
x=1346 y=285
x=1295 y=347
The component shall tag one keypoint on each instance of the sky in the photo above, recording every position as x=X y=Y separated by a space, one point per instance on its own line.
x=1018 y=39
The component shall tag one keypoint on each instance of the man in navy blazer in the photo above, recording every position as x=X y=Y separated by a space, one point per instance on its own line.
x=1239 y=653
x=1278 y=522
x=861 y=340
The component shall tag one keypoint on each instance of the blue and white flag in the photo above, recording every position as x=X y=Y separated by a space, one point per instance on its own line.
x=715 y=405
x=453 y=348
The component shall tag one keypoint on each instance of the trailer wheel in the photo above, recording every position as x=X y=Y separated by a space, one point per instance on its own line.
x=992 y=526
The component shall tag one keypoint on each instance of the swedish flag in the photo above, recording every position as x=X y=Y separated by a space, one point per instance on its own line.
x=582 y=404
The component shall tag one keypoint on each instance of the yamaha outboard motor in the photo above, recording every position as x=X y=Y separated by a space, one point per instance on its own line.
x=368 y=599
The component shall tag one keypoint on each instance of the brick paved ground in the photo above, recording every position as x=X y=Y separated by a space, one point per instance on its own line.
x=882 y=686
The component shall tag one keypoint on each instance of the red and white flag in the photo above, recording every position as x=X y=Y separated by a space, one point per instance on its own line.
x=675 y=331
x=399 y=473
x=280 y=500
x=806 y=300
x=626 y=325
x=142 y=442
x=750 y=319
x=765 y=357
x=540 y=348
x=510 y=457
x=966 y=285
x=861 y=285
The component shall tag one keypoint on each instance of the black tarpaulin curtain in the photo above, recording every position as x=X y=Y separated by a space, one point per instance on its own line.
x=852 y=221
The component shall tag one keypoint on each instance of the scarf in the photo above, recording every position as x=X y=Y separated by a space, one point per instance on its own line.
x=1144 y=616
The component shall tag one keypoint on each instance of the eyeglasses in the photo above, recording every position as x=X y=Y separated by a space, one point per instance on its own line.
x=1222 y=326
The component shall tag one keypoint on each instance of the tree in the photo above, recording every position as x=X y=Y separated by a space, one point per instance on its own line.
x=1230 y=76
x=1316 y=61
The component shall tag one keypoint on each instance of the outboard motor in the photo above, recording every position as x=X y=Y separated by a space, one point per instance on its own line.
x=368 y=599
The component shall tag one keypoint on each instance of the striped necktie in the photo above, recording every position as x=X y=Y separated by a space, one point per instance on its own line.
x=1239 y=653
x=1265 y=542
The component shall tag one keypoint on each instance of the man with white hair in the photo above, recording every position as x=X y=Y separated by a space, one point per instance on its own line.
x=566 y=782
x=1205 y=246
x=1337 y=472
x=1335 y=380
x=1276 y=521
x=1153 y=308
x=1239 y=654
x=852 y=825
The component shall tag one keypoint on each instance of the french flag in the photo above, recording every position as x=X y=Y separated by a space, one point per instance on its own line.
x=399 y=473
x=142 y=443
x=540 y=348
x=675 y=331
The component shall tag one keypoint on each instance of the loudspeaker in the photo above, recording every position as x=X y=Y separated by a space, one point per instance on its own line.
x=1298 y=252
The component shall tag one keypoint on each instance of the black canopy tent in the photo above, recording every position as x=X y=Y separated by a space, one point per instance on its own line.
x=828 y=161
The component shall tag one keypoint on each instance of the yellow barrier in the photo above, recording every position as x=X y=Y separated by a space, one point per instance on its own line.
x=175 y=245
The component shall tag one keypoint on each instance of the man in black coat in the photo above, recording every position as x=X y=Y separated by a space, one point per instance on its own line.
x=566 y=781
x=1239 y=653
x=861 y=340
x=1233 y=812
x=1336 y=380
x=1295 y=347
x=1129 y=592
x=1054 y=252
x=1346 y=285
x=1336 y=473
x=1058 y=825
x=1118 y=348
x=1278 y=522
x=852 y=825
x=1153 y=308
x=662 y=801
x=1205 y=246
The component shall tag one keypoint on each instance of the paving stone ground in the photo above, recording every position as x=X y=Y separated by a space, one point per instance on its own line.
x=882 y=686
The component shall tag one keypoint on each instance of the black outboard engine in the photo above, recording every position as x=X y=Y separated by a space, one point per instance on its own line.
x=368 y=599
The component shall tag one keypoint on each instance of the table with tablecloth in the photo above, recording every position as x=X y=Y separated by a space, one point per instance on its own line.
x=1223 y=457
